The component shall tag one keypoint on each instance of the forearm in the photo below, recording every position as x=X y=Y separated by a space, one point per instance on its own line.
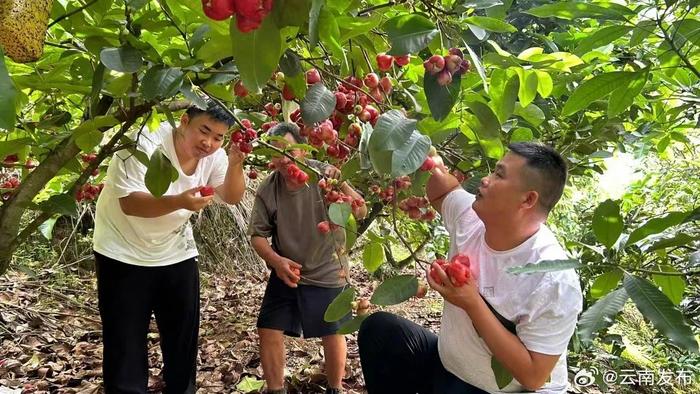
x=263 y=248
x=506 y=347
x=145 y=205
x=361 y=212
x=234 y=184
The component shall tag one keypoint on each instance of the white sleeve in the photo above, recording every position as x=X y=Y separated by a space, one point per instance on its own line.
x=455 y=206
x=126 y=174
x=552 y=313
x=217 y=176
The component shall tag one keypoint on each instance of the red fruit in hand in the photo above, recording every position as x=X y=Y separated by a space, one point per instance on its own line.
x=384 y=62
x=313 y=76
x=250 y=134
x=434 y=64
x=237 y=136
x=323 y=227
x=371 y=80
x=434 y=273
x=428 y=164
x=402 y=60
x=461 y=259
x=245 y=147
x=205 y=191
x=240 y=90
x=247 y=123
x=458 y=272
x=288 y=93
x=302 y=177
x=218 y=10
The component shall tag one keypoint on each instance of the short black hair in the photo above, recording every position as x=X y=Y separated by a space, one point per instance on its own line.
x=283 y=128
x=547 y=171
x=214 y=110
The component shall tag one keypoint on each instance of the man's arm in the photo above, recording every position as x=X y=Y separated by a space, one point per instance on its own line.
x=439 y=185
x=280 y=264
x=233 y=187
x=361 y=211
x=145 y=205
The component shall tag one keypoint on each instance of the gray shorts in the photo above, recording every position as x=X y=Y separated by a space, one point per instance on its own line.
x=298 y=311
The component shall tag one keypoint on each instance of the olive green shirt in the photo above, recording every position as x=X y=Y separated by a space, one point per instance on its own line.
x=290 y=219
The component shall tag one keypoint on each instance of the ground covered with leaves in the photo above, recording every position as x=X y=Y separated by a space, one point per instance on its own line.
x=50 y=339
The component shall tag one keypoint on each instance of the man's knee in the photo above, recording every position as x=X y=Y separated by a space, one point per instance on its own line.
x=375 y=325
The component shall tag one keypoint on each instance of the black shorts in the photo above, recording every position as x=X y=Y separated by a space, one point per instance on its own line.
x=298 y=311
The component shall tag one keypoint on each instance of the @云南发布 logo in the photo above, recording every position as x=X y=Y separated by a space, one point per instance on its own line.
x=585 y=377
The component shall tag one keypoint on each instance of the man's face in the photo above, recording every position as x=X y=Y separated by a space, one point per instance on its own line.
x=502 y=193
x=203 y=135
x=281 y=161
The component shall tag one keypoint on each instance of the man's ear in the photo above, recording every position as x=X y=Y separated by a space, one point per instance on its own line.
x=184 y=119
x=530 y=199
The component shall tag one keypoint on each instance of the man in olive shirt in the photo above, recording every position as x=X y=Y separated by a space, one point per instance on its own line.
x=288 y=212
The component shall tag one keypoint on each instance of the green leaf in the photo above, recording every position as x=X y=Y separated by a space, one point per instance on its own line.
x=544 y=83
x=391 y=131
x=8 y=98
x=671 y=285
x=161 y=82
x=290 y=64
x=624 y=96
x=477 y=65
x=194 y=98
x=46 y=228
x=314 y=14
x=656 y=307
x=395 y=290
x=532 y=113
x=481 y=4
x=88 y=134
x=351 y=326
x=594 y=89
x=350 y=230
x=605 y=283
x=545 y=266
x=601 y=38
x=656 y=225
x=365 y=161
x=408 y=158
x=528 y=85
x=574 y=10
x=521 y=134
x=676 y=240
x=503 y=377
x=159 y=174
x=373 y=256
x=409 y=33
x=491 y=24
x=256 y=53
x=329 y=33
x=340 y=306
x=352 y=26
x=318 y=104
x=441 y=99
x=642 y=31
x=250 y=384
x=63 y=204
x=601 y=314
x=489 y=126
x=504 y=92
x=339 y=213
x=125 y=59
x=607 y=223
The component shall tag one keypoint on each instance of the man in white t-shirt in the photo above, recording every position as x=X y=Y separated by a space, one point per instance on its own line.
x=500 y=332
x=145 y=252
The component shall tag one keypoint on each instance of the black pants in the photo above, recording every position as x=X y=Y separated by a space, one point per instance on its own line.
x=401 y=357
x=128 y=295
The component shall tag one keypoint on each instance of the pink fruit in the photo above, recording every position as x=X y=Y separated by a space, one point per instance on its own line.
x=384 y=62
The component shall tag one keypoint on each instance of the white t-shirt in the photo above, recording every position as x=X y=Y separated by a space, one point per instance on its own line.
x=543 y=306
x=150 y=242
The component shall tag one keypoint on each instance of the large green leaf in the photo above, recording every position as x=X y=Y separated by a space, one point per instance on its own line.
x=125 y=59
x=340 y=306
x=502 y=375
x=395 y=290
x=596 y=88
x=408 y=158
x=489 y=128
x=441 y=99
x=601 y=37
x=607 y=223
x=373 y=256
x=504 y=93
x=409 y=33
x=365 y=160
x=352 y=325
x=256 y=53
x=676 y=240
x=544 y=83
x=329 y=33
x=605 y=283
x=532 y=113
x=623 y=97
x=161 y=82
x=8 y=97
x=656 y=307
x=491 y=24
x=656 y=225
x=391 y=131
x=314 y=14
x=671 y=285
x=339 y=213
x=160 y=174
x=88 y=134
x=642 y=31
x=574 y=10
x=318 y=104
x=63 y=204
x=528 y=85
x=352 y=26
x=686 y=30
x=545 y=266
x=601 y=314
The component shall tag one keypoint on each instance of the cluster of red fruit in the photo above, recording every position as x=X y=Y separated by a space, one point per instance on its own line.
x=385 y=61
x=417 y=208
x=89 y=158
x=445 y=67
x=11 y=160
x=249 y=13
x=350 y=99
x=297 y=174
x=334 y=194
x=326 y=133
x=88 y=192
x=244 y=137
x=10 y=183
x=457 y=270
